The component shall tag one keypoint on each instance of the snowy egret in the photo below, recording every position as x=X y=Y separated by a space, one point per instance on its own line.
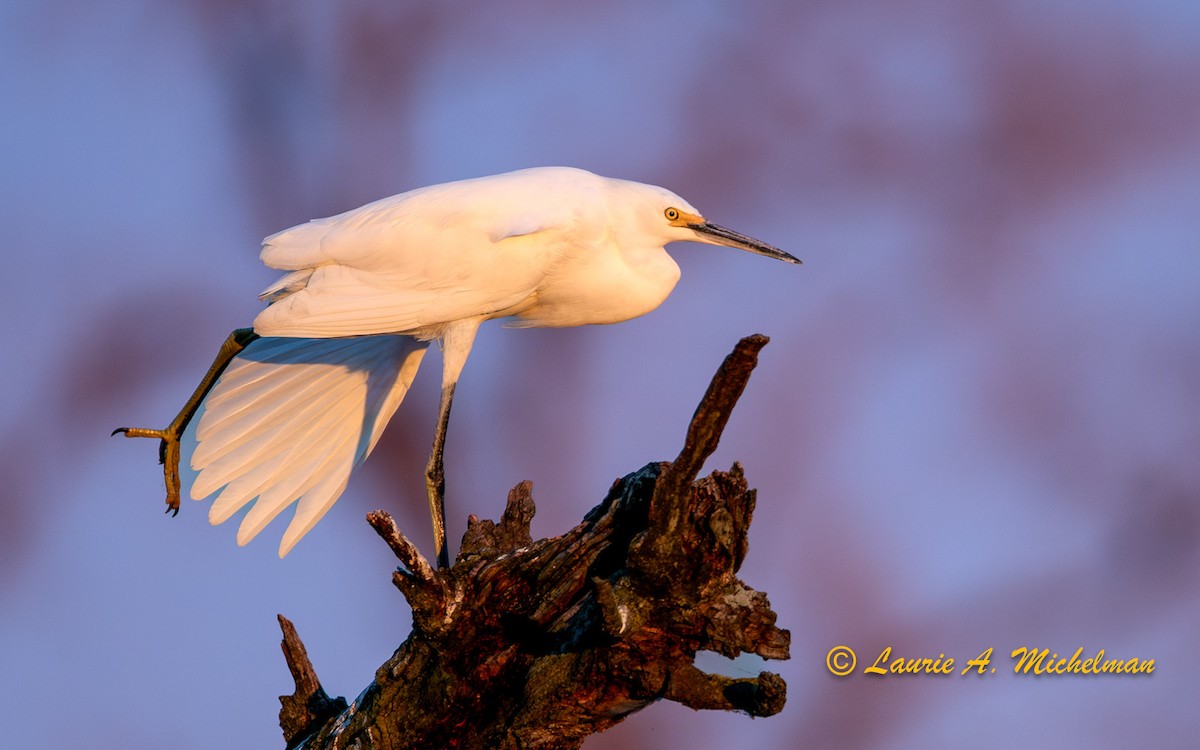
x=293 y=404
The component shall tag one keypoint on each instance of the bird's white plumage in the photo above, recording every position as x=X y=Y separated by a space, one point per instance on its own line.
x=492 y=247
x=344 y=328
x=289 y=419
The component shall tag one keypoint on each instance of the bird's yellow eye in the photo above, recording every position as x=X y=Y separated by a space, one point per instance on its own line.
x=672 y=214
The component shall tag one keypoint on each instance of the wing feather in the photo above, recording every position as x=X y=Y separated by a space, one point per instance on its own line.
x=249 y=417
x=331 y=481
x=230 y=455
x=289 y=420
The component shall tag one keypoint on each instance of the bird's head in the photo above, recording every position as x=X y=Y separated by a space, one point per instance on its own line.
x=670 y=217
x=703 y=230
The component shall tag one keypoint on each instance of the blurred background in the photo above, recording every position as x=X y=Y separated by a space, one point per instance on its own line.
x=976 y=423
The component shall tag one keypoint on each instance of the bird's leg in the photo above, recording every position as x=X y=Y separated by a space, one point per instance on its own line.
x=457 y=339
x=435 y=477
x=168 y=449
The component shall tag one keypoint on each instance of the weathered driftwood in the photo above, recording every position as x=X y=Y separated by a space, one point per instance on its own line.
x=525 y=644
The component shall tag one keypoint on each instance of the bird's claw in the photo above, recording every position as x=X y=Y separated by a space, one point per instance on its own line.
x=168 y=456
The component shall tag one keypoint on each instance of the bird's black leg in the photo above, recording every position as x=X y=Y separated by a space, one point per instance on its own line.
x=168 y=449
x=435 y=478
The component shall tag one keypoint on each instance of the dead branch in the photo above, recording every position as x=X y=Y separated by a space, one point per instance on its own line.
x=525 y=644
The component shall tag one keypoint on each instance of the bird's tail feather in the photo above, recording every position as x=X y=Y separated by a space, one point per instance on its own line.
x=287 y=422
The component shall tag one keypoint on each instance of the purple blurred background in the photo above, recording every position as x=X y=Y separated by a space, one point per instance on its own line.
x=977 y=423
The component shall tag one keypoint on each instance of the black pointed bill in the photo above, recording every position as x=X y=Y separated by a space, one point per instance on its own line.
x=719 y=235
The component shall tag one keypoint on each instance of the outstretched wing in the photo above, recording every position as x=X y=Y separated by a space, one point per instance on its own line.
x=288 y=421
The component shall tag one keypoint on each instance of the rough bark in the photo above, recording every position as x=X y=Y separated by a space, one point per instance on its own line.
x=525 y=644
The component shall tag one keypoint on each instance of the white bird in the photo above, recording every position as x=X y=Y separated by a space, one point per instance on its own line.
x=292 y=405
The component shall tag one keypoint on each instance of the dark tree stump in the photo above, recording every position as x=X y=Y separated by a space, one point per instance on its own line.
x=525 y=644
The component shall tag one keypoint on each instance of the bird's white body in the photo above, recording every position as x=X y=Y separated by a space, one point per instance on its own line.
x=347 y=326
x=547 y=246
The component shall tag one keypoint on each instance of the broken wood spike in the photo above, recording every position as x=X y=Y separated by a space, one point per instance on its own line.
x=306 y=710
x=512 y=533
x=703 y=434
x=764 y=695
x=406 y=552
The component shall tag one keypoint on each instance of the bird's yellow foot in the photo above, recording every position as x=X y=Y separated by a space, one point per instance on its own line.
x=168 y=456
x=168 y=449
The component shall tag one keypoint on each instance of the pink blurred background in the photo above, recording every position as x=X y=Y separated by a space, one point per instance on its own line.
x=976 y=423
